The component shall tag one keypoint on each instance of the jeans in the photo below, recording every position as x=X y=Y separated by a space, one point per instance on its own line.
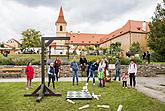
x=53 y=79
x=75 y=74
x=132 y=78
x=117 y=74
x=91 y=73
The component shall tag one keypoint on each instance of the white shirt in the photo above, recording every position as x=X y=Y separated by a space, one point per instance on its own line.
x=132 y=68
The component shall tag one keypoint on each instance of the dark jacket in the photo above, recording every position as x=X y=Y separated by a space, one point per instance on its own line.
x=83 y=60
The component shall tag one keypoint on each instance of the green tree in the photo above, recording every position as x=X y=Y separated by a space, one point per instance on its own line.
x=115 y=48
x=31 y=38
x=135 y=48
x=2 y=44
x=156 y=40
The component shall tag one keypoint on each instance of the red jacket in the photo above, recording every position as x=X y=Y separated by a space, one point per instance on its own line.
x=29 y=70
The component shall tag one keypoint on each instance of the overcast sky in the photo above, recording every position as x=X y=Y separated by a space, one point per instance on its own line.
x=88 y=16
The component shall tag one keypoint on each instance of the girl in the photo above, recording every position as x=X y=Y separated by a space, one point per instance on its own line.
x=29 y=71
x=124 y=78
x=51 y=75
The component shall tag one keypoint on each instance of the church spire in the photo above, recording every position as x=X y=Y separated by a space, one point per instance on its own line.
x=61 y=17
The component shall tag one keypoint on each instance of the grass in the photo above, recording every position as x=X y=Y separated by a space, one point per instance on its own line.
x=12 y=99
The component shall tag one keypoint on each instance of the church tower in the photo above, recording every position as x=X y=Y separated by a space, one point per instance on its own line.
x=61 y=25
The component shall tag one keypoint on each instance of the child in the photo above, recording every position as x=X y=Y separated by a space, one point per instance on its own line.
x=124 y=78
x=29 y=71
x=100 y=77
x=74 y=70
x=51 y=74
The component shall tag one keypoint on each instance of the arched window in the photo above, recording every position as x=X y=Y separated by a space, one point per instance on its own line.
x=60 y=28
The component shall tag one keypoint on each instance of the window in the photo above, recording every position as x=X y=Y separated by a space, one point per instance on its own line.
x=60 y=28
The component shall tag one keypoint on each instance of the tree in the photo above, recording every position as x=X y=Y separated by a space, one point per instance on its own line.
x=2 y=44
x=115 y=48
x=135 y=48
x=31 y=38
x=156 y=38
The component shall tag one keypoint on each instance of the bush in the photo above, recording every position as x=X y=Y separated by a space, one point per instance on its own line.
x=125 y=61
x=157 y=57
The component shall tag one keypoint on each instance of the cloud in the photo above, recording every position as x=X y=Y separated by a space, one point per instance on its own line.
x=92 y=16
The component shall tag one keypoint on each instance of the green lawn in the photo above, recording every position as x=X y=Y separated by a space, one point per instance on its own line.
x=12 y=99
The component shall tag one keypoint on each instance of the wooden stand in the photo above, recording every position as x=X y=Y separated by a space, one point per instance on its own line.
x=43 y=90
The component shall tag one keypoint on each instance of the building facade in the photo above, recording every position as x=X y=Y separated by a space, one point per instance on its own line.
x=132 y=31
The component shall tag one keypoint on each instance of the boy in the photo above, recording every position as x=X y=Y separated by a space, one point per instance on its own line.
x=100 y=77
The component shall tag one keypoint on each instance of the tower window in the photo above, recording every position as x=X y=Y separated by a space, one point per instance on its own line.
x=60 y=28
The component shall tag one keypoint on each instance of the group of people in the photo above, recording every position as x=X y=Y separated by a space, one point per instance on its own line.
x=53 y=72
x=99 y=67
x=146 y=55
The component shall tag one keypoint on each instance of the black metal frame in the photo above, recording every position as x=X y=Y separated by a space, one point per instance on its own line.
x=43 y=90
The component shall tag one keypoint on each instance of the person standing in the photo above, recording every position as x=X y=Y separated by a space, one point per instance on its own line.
x=148 y=57
x=103 y=66
x=83 y=63
x=144 y=55
x=29 y=71
x=74 y=70
x=132 y=71
x=92 y=70
x=100 y=77
x=117 y=69
x=57 y=65
x=51 y=75
x=124 y=78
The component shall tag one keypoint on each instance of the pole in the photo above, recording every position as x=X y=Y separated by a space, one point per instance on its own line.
x=43 y=60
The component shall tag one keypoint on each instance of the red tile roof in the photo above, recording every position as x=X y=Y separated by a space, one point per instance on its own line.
x=130 y=26
x=16 y=40
x=61 y=17
x=85 y=38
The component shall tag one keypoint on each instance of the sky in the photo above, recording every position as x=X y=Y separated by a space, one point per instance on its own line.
x=86 y=16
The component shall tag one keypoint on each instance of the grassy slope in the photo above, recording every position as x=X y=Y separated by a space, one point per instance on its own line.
x=12 y=99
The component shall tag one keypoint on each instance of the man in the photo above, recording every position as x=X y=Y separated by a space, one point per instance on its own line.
x=83 y=63
x=57 y=65
x=117 y=69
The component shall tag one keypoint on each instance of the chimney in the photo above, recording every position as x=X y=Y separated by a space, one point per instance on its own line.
x=144 y=26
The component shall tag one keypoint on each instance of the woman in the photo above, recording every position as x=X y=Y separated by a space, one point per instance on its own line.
x=29 y=71
x=74 y=70
x=57 y=64
x=132 y=71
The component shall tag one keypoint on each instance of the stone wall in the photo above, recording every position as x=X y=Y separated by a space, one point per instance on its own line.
x=148 y=70
x=143 y=70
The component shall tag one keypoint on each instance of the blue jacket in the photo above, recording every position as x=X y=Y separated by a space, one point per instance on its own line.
x=74 y=66
x=51 y=71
